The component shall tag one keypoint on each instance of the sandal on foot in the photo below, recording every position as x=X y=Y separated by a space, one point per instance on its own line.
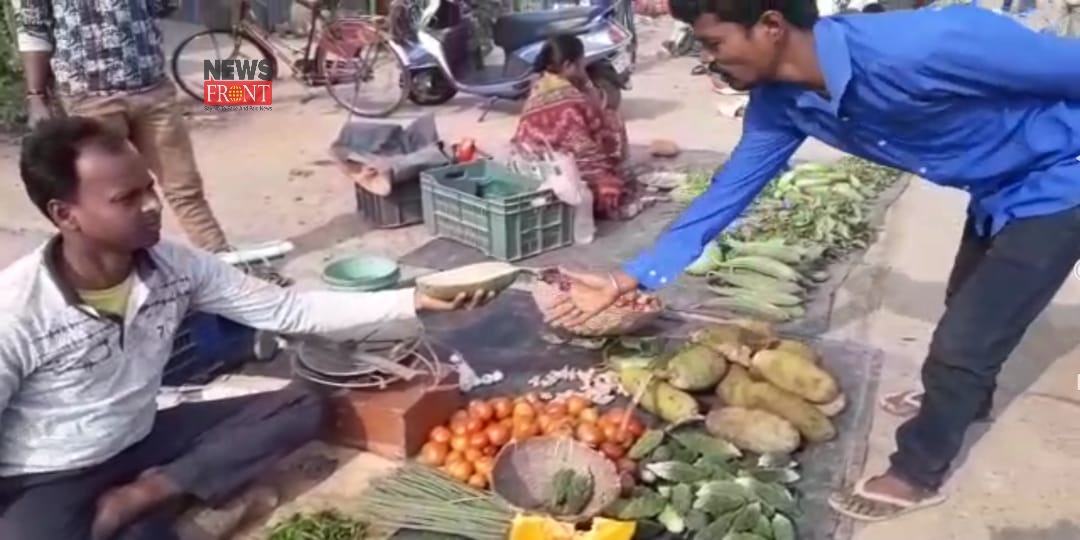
x=905 y=404
x=861 y=505
x=902 y=404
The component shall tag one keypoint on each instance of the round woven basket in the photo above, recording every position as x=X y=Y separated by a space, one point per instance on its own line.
x=523 y=472
x=613 y=321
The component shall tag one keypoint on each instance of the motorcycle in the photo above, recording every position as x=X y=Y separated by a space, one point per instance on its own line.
x=440 y=63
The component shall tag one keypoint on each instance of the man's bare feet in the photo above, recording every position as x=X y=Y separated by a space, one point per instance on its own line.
x=121 y=506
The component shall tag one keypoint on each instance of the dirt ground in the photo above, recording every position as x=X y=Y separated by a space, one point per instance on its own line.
x=268 y=177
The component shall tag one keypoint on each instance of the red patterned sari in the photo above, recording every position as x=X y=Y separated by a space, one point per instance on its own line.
x=560 y=115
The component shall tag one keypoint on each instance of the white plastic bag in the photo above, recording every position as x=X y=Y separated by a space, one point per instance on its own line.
x=559 y=172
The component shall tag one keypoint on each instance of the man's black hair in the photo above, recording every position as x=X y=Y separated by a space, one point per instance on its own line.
x=873 y=7
x=800 y=13
x=47 y=160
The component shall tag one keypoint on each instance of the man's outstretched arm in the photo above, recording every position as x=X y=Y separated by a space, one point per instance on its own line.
x=768 y=142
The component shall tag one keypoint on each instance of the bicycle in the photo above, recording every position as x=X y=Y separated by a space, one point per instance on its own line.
x=346 y=50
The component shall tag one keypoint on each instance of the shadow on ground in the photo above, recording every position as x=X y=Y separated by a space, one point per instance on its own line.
x=1050 y=338
x=1060 y=530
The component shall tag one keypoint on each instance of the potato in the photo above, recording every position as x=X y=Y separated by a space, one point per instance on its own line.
x=696 y=367
x=799 y=348
x=811 y=423
x=754 y=431
x=795 y=374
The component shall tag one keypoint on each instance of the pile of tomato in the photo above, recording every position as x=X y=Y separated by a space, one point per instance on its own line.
x=465 y=448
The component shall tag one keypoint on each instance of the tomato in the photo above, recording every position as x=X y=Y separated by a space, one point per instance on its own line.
x=589 y=415
x=544 y=422
x=502 y=407
x=532 y=398
x=453 y=456
x=556 y=410
x=484 y=466
x=635 y=428
x=575 y=404
x=481 y=410
x=490 y=451
x=478 y=481
x=613 y=434
x=460 y=470
x=473 y=454
x=590 y=435
x=497 y=434
x=473 y=426
x=612 y=450
x=440 y=434
x=478 y=440
x=459 y=443
x=433 y=454
x=524 y=429
x=524 y=410
x=459 y=427
x=461 y=416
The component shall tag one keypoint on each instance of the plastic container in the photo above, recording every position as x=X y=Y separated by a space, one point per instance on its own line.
x=361 y=273
x=484 y=205
x=403 y=207
x=207 y=346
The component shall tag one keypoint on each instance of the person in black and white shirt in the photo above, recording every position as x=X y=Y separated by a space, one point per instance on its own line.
x=86 y=327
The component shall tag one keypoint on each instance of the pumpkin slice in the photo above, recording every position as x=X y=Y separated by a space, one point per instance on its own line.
x=488 y=276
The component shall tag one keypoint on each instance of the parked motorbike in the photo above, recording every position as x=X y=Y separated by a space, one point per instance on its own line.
x=440 y=63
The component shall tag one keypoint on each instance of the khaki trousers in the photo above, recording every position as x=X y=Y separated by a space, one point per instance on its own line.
x=152 y=121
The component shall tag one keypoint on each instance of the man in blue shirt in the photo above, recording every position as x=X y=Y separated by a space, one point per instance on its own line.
x=961 y=96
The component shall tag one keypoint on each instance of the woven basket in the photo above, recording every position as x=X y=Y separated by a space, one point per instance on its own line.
x=613 y=321
x=523 y=472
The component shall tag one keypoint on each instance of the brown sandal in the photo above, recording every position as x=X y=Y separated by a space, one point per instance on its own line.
x=859 y=504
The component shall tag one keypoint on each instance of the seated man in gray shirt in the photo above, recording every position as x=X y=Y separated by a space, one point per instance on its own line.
x=86 y=327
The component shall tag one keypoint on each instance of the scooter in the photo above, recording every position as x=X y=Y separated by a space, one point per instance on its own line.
x=440 y=65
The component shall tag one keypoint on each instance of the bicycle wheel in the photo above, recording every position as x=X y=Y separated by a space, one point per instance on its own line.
x=187 y=60
x=372 y=82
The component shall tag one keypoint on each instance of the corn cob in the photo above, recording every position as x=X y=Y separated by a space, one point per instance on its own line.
x=755 y=281
x=750 y=306
x=779 y=299
x=762 y=265
x=772 y=249
x=808 y=181
x=848 y=191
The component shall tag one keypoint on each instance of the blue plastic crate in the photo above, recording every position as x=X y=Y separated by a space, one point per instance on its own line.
x=207 y=346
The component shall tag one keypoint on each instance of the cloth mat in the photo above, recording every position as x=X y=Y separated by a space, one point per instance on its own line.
x=505 y=336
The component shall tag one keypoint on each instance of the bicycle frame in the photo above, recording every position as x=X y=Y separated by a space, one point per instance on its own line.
x=243 y=21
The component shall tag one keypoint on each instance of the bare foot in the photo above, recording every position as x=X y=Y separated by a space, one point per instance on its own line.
x=121 y=506
x=892 y=486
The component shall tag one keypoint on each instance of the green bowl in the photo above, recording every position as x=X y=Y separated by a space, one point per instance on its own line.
x=361 y=273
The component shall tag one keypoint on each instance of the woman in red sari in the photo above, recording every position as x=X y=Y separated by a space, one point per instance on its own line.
x=566 y=112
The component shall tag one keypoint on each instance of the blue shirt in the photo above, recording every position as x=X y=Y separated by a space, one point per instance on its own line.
x=962 y=96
